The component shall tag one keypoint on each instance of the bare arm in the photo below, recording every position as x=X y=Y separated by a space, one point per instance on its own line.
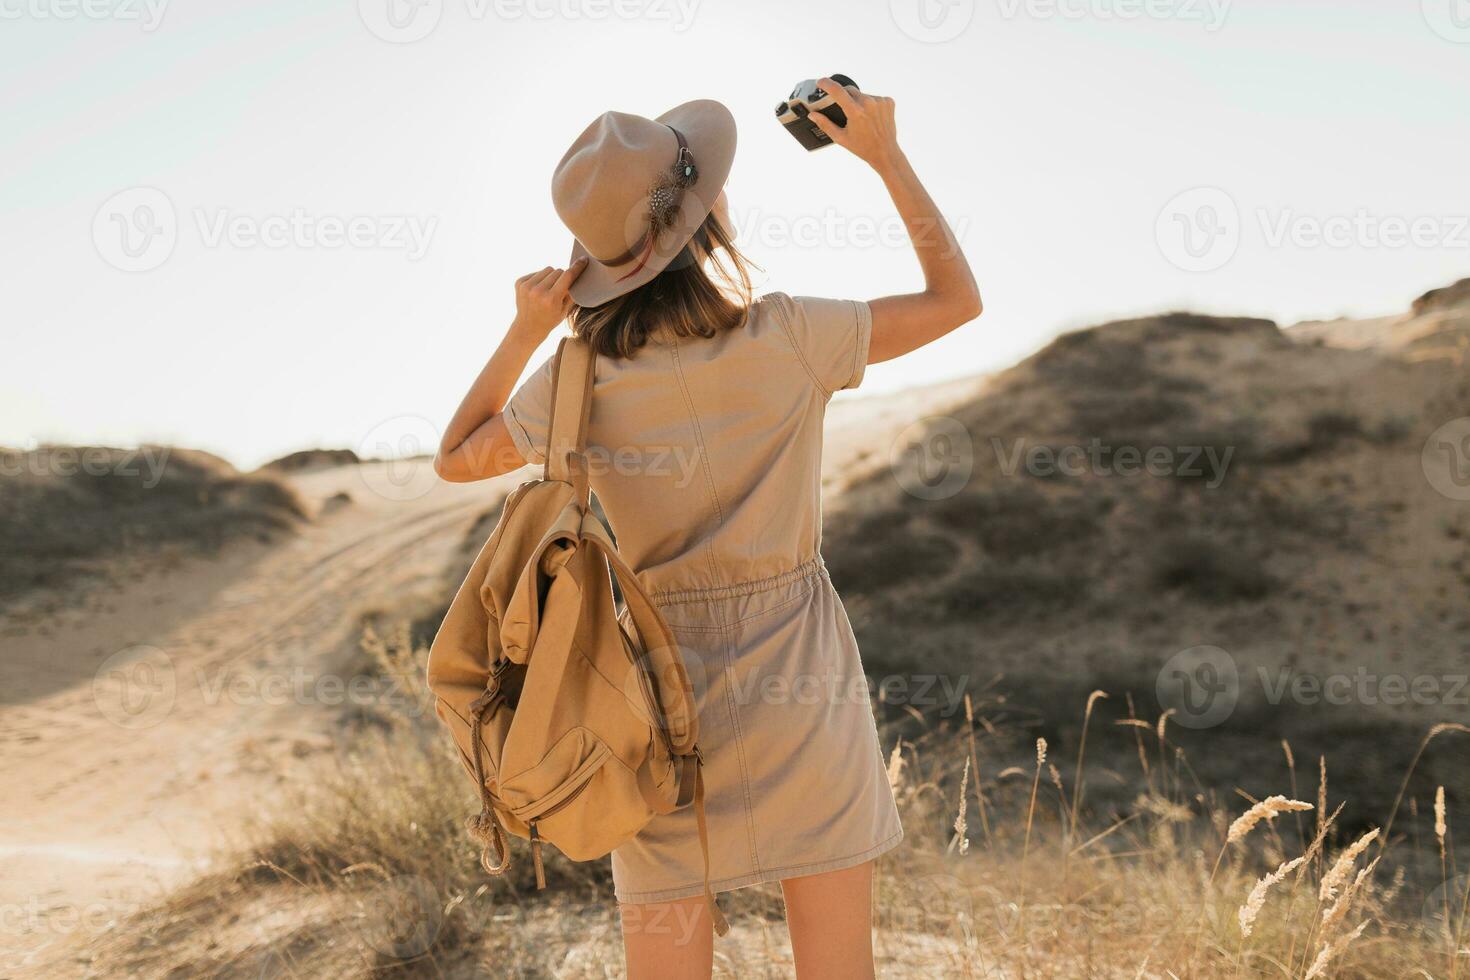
x=950 y=298
x=476 y=444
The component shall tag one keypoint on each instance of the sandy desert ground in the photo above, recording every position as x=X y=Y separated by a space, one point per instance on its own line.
x=152 y=705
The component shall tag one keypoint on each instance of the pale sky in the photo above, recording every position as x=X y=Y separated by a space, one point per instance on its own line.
x=1056 y=134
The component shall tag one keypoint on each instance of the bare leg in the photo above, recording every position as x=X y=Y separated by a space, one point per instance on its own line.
x=831 y=921
x=668 y=940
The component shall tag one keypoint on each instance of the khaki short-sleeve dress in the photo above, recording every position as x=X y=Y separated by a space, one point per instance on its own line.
x=706 y=456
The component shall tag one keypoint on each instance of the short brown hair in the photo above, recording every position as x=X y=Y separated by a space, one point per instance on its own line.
x=682 y=301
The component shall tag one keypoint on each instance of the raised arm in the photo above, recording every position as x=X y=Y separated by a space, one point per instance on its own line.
x=476 y=444
x=950 y=298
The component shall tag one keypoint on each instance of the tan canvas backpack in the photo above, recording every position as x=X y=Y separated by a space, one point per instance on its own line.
x=576 y=720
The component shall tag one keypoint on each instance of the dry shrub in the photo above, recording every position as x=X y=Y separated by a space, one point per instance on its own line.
x=64 y=508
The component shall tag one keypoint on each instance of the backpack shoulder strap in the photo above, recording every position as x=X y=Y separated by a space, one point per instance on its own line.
x=571 y=406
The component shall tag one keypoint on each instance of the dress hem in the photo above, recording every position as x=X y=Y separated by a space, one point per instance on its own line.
x=764 y=876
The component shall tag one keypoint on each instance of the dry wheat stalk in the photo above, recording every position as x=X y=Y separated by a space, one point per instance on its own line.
x=1092 y=699
x=1164 y=723
x=1330 y=950
x=960 y=827
x=1257 y=898
x=1267 y=809
x=895 y=765
x=975 y=764
x=1339 y=909
x=1439 y=819
x=1343 y=866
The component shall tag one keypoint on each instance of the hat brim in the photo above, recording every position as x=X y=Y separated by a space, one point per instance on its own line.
x=709 y=129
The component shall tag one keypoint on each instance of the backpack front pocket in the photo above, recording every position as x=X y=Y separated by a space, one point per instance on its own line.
x=601 y=810
x=566 y=766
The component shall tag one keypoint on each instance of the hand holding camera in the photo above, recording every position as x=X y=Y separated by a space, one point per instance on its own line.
x=830 y=110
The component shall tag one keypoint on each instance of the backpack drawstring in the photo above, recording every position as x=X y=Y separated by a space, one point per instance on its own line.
x=485 y=825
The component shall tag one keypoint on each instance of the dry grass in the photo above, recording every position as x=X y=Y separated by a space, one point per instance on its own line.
x=366 y=871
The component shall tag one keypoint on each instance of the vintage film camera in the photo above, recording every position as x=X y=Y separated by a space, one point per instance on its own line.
x=805 y=99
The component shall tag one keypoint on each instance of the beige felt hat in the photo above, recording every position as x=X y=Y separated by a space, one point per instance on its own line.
x=633 y=191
